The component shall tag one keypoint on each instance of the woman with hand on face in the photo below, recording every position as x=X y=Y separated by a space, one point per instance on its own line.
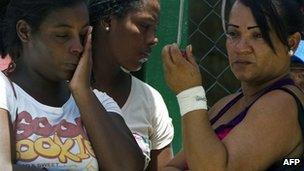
x=49 y=115
x=258 y=127
x=123 y=35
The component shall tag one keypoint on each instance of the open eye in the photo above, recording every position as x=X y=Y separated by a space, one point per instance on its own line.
x=232 y=34
x=257 y=35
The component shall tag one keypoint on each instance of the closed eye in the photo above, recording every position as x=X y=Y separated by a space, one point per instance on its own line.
x=145 y=26
x=62 y=36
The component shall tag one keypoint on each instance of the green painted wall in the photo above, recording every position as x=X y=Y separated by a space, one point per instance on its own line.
x=153 y=72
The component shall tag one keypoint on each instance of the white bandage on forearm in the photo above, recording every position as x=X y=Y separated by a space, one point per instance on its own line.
x=192 y=99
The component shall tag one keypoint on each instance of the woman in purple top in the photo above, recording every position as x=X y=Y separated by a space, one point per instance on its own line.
x=253 y=129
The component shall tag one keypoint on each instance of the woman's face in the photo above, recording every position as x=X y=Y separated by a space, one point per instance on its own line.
x=131 y=37
x=55 y=49
x=250 y=57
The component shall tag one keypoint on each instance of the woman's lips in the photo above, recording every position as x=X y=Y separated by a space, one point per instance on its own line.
x=143 y=60
x=241 y=61
x=144 y=57
x=241 y=64
x=70 y=66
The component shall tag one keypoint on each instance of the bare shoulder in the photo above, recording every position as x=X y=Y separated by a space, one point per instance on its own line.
x=220 y=104
x=272 y=119
x=278 y=110
x=278 y=103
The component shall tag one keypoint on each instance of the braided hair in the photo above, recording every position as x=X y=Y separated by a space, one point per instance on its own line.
x=100 y=9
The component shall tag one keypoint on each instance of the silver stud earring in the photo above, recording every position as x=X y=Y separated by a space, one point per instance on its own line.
x=107 y=28
x=290 y=52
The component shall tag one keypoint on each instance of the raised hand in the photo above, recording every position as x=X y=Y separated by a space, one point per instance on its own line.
x=180 y=73
x=82 y=74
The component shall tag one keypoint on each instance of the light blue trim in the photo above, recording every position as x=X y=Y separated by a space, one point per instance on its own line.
x=300 y=51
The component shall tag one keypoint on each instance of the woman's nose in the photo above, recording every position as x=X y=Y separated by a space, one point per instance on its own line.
x=76 y=46
x=242 y=46
x=152 y=38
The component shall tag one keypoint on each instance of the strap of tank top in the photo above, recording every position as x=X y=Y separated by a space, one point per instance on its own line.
x=225 y=108
x=284 y=81
x=299 y=96
x=277 y=85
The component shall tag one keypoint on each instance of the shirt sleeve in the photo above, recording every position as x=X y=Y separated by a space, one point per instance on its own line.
x=107 y=102
x=163 y=131
x=6 y=94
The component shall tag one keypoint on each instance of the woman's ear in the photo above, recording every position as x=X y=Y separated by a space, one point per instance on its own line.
x=106 y=23
x=294 y=40
x=23 y=30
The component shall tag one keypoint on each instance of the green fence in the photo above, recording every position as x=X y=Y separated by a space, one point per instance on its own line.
x=168 y=33
x=200 y=26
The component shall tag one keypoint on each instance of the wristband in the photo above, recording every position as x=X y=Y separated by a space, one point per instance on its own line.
x=192 y=99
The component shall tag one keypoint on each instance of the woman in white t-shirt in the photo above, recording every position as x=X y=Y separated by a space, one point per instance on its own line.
x=46 y=102
x=123 y=35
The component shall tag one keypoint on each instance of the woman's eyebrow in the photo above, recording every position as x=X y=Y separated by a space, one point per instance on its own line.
x=232 y=25
x=252 y=27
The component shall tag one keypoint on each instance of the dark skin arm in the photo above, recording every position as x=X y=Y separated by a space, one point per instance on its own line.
x=5 y=142
x=113 y=143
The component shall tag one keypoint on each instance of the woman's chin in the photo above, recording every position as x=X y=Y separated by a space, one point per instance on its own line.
x=242 y=77
x=67 y=76
x=137 y=69
x=131 y=69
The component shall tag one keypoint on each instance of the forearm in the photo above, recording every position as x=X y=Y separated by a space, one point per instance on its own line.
x=5 y=141
x=112 y=141
x=203 y=150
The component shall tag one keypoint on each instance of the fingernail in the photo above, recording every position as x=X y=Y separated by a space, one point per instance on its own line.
x=188 y=48
x=170 y=51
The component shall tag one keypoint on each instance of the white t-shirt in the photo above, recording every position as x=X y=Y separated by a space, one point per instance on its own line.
x=49 y=137
x=146 y=115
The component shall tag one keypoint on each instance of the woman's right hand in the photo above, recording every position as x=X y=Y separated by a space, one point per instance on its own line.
x=82 y=74
x=180 y=73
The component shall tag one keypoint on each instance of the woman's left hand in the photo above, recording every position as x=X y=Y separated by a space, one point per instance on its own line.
x=82 y=74
x=180 y=72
